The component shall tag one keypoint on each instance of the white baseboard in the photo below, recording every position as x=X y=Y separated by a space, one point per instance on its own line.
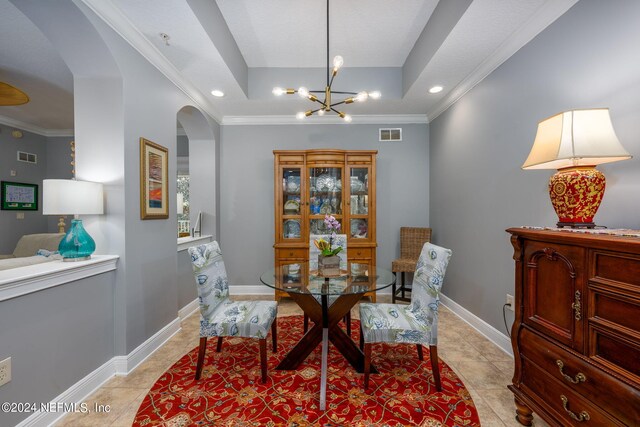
x=117 y=365
x=125 y=364
x=188 y=309
x=250 y=290
x=491 y=333
x=74 y=394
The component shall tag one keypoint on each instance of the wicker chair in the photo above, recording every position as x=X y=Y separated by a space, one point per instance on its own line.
x=412 y=239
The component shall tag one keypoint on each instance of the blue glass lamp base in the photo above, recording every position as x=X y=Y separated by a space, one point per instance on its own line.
x=76 y=245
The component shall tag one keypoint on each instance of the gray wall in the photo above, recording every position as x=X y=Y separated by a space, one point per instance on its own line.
x=54 y=338
x=187 y=290
x=58 y=167
x=11 y=228
x=587 y=58
x=246 y=187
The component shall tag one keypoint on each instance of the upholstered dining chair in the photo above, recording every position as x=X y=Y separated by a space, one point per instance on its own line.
x=219 y=316
x=411 y=241
x=416 y=323
x=339 y=240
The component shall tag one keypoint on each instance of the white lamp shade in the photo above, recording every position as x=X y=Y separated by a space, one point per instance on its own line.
x=575 y=138
x=180 y=199
x=71 y=197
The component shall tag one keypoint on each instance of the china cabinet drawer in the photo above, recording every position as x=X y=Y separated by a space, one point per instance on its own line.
x=570 y=408
x=581 y=377
x=293 y=253
x=359 y=253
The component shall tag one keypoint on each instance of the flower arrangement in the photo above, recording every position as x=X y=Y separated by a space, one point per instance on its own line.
x=325 y=247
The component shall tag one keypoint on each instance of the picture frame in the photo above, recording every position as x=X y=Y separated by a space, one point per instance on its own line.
x=19 y=196
x=154 y=183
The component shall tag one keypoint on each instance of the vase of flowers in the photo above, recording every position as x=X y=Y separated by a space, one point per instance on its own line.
x=328 y=259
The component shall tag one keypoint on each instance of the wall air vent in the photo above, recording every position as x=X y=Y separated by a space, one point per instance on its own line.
x=390 y=134
x=27 y=157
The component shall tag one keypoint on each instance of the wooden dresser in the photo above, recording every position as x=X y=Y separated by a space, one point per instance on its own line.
x=576 y=335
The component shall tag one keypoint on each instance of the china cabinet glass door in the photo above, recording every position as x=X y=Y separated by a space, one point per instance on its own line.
x=292 y=225
x=358 y=203
x=325 y=197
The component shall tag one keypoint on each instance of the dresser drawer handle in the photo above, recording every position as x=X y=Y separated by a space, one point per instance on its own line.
x=582 y=416
x=290 y=253
x=359 y=253
x=580 y=377
x=577 y=306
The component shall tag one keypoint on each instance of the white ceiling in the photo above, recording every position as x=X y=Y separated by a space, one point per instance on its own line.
x=289 y=34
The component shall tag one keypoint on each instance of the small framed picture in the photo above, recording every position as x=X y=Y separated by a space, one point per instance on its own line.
x=17 y=196
x=154 y=183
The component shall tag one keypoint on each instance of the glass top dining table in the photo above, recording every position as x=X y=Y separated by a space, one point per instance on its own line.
x=357 y=278
x=326 y=300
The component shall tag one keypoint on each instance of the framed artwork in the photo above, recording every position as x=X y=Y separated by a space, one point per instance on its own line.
x=154 y=183
x=17 y=196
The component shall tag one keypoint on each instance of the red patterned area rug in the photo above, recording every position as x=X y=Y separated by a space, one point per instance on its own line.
x=230 y=392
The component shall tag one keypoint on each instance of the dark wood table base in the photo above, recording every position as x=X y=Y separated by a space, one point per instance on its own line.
x=343 y=342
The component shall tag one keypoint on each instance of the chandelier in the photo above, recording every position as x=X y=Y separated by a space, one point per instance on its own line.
x=327 y=105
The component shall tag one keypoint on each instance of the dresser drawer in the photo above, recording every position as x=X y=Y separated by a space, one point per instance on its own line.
x=616 y=267
x=590 y=382
x=571 y=409
x=293 y=253
x=359 y=253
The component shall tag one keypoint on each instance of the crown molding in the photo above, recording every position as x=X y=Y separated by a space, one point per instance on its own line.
x=114 y=17
x=8 y=121
x=547 y=14
x=386 y=119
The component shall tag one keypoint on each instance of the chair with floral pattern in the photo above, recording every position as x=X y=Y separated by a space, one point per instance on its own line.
x=416 y=323
x=219 y=316
x=338 y=240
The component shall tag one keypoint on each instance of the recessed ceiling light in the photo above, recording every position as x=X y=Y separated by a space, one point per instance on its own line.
x=435 y=89
x=217 y=93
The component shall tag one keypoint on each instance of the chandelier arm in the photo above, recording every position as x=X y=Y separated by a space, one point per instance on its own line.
x=319 y=102
x=317 y=91
x=336 y=111
x=338 y=103
x=344 y=93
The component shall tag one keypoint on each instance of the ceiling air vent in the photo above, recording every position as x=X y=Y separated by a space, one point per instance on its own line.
x=390 y=134
x=27 y=157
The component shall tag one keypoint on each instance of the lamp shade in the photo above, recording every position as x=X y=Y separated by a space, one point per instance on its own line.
x=71 y=197
x=575 y=138
x=180 y=202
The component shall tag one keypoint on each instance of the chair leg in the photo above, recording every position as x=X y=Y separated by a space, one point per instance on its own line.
x=219 y=346
x=402 y=285
x=263 y=359
x=393 y=294
x=306 y=323
x=420 y=355
x=433 y=355
x=361 y=337
x=367 y=364
x=201 y=352
x=274 y=334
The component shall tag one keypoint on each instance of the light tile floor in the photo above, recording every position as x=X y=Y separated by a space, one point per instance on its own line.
x=482 y=366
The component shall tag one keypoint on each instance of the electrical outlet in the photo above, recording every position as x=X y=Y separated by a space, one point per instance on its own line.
x=510 y=302
x=5 y=371
x=13 y=173
x=19 y=215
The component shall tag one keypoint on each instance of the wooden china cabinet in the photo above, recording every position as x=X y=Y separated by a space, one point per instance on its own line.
x=576 y=336
x=308 y=185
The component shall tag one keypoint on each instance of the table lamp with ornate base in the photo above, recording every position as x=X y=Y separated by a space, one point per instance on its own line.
x=574 y=142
